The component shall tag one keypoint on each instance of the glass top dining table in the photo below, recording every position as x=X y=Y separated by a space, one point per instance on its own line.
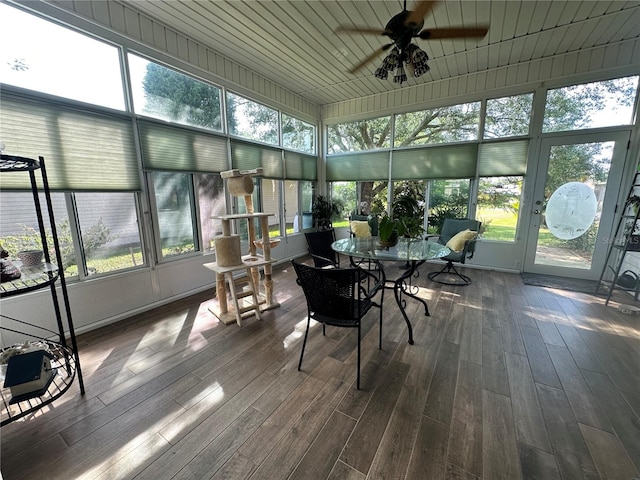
x=413 y=251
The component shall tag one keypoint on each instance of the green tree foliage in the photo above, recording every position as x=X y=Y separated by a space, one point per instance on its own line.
x=361 y=135
x=439 y=125
x=180 y=98
x=508 y=116
x=491 y=195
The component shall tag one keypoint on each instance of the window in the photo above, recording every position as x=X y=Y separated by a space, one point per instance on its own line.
x=440 y=125
x=344 y=195
x=174 y=210
x=447 y=199
x=361 y=135
x=270 y=203
x=19 y=227
x=109 y=231
x=298 y=135
x=499 y=206
x=211 y=202
x=305 y=220
x=590 y=105
x=508 y=116
x=292 y=217
x=166 y=94
x=372 y=197
x=251 y=120
x=48 y=58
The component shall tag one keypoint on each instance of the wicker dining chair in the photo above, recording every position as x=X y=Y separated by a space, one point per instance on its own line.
x=337 y=297
x=319 y=245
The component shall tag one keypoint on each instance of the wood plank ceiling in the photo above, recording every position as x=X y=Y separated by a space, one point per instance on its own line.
x=293 y=43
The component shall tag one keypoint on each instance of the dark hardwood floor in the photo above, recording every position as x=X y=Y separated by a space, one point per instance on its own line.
x=504 y=381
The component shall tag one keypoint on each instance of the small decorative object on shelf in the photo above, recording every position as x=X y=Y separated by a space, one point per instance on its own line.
x=8 y=271
x=29 y=375
x=31 y=258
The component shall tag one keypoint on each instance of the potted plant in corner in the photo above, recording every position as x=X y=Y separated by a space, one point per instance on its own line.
x=322 y=212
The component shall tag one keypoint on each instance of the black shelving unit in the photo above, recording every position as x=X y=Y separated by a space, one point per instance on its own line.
x=46 y=275
x=626 y=239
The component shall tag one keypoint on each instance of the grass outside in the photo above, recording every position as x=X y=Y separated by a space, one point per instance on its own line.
x=498 y=225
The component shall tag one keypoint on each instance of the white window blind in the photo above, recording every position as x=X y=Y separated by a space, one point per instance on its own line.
x=247 y=156
x=503 y=158
x=84 y=150
x=441 y=162
x=299 y=166
x=178 y=148
x=361 y=166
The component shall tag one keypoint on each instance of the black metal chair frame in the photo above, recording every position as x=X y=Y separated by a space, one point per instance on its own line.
x=319 y=245
x=451 y=227
x=338 y=297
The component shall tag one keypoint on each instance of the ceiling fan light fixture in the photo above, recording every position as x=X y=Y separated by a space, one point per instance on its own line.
x=392 y=60
x=400 y=75
x=418 y=59
x=382 y=73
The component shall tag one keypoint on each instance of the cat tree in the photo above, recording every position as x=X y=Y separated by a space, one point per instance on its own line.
x=229 y=259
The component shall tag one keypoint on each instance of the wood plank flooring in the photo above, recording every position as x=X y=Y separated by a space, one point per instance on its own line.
x=504 y=381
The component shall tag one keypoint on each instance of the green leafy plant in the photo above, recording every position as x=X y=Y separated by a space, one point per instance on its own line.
x=323 y=211
x=409 y=215
x=389 y=230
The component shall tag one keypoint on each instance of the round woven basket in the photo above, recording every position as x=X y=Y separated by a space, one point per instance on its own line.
x=30 y=258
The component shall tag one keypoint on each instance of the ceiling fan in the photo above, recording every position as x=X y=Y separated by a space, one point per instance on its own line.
x=402 y=29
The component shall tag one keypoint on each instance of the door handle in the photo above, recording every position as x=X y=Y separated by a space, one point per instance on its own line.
x=537 y=212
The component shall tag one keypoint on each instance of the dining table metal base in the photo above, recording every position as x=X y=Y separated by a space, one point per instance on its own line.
x=403 y=286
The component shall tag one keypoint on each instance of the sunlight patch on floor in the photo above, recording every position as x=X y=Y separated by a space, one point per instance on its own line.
x=298 y=332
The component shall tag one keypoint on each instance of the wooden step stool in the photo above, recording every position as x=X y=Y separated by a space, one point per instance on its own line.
x=246 y=302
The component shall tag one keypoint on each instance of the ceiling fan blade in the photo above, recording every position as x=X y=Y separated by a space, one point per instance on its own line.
x=370 y=58
x=367 y=30
x=455 y=32
x=416 y=16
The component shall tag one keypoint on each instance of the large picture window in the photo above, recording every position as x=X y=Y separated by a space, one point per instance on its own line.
x=252 y=120
x=456 y=123
x=166 y=94
x=361 y=135
x=590 y=105
x=39 y=55
x=447 y=199
x=19 y=227
x=499 y=206
x=508 y=116
x=174 y=213
x=109 y=231
x=211 y=202
x=298 y=135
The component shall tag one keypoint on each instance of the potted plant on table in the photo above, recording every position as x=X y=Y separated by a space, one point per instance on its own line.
x=388 y=231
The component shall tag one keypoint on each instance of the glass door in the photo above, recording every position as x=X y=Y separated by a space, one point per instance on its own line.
x=576 y=188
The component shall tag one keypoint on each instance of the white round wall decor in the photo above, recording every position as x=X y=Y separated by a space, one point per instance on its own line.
x=571 y=210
